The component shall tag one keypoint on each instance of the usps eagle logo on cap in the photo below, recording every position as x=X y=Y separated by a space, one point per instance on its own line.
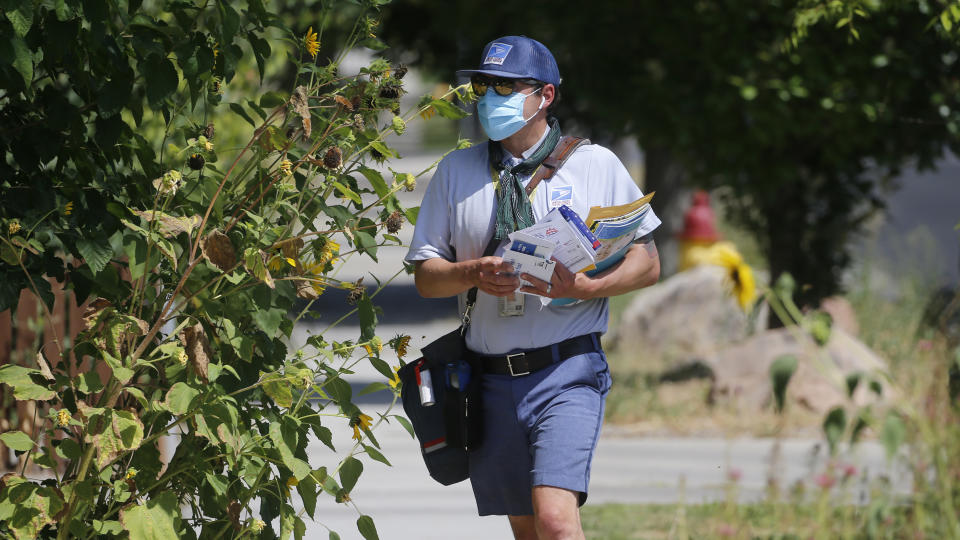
x=497 y=54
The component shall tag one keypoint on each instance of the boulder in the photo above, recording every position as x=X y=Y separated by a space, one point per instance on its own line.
x=741 y=372
x=685 y=317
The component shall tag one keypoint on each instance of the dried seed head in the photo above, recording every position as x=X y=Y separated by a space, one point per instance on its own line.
x=355 y=102
x=195 y=162
x=208 y=131
x=377 y=155
x=394 y=222
x=400 y=71
x=356 y=293
x=333 y=158
x=358 y=121
x=390 y=91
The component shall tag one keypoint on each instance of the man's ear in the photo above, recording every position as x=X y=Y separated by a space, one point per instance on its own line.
x=549 y=92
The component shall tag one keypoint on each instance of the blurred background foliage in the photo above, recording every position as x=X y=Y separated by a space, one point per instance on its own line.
x=717 y=93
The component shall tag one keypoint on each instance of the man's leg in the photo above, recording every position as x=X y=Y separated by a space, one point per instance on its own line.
x=523 y=527
x=556 y=513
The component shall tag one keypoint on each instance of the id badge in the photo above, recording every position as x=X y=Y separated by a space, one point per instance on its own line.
x=511 y=306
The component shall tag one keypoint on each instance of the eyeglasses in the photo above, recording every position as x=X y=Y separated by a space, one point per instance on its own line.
x=503 y=87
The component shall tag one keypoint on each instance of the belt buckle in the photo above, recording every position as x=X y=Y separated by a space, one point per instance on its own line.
x=510 y=358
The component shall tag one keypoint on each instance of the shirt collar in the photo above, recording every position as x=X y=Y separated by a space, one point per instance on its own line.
x=512 y=161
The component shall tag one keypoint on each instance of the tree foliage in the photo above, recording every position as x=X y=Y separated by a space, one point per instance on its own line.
x=803 y=138
x=188 y=256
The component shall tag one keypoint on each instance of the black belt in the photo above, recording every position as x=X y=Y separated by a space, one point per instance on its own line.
x=524 y=363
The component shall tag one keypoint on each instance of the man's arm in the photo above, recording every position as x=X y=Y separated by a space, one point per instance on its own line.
x=438 y=277
x=640 y=267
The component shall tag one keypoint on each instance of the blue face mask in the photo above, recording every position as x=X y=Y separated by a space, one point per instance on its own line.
x=502 y=116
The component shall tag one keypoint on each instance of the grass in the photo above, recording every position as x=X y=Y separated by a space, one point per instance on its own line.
x=784 y=520
x=928 y=439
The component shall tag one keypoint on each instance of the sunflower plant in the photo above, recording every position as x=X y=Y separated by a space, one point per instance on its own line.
x=192 y=259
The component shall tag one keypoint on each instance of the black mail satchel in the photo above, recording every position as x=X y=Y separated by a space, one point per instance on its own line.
x=441 y=391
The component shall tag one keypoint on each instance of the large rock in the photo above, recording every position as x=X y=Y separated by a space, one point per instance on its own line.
x=685 y=317
x=741 y=372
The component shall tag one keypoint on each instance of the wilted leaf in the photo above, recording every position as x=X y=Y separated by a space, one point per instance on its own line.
x=198 y=349
x=170 y=226
x=254 y=263
x=278 y=389
x=218 y=249
x=343 y=101
x=112 y=432
x=18 y=378
x=44 y=367
x=300 y=106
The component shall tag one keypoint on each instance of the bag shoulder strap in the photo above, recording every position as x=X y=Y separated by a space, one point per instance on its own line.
x=564 y=149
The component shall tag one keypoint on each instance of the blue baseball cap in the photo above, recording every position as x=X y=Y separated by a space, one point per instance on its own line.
x=517 y=57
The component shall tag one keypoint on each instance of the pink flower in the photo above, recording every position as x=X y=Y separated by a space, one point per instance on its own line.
x=734 y=475
x=825 y=480
x=924 y=344
x=849 y=470
x=726 y=530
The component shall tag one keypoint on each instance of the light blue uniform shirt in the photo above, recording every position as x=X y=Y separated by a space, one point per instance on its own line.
x=457 y=219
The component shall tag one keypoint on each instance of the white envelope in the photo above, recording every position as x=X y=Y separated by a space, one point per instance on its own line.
x=529 y=264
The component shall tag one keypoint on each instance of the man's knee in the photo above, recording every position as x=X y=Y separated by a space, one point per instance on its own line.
x=556 y=513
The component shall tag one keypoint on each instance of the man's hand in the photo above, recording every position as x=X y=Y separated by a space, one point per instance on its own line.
x=493 y=276
x=563 y=283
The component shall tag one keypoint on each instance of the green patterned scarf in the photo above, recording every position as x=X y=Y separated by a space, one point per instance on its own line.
x=513 y=206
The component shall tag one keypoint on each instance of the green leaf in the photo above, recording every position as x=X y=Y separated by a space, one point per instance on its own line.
x=412 y=214
x=853 y=380
x=238 y=109
x=367 y=528
x=22 y=60
x=383 y=149
x=350 y=472
x=781 y=370
x=21 y=16
x=448 y=110
x=833 y=427
x=346 y=192
x=95 y=254
x=334 y=536
x=18 y=378
x=161 y=78
x=373 y=387
x=376 y=455
x=89 y=382
x=17 y=440
x=278 y=389
x=944 y=20
x=154 y=520
x=269 y=320
x=179 y=398
x=307 y=488
x=892 y=434
x=284 y=437
x=376 y=180
x=69 y=449
x=368 y=318
x=272 y=99
x=406 y=425
x=107 y=527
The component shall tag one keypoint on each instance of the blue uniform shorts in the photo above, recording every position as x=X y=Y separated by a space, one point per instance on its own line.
x=540 y=429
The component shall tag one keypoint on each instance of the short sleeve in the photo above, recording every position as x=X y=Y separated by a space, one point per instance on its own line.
x=432 y=235
x=621 y=188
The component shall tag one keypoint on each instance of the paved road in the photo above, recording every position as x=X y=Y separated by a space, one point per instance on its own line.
x=407 y=505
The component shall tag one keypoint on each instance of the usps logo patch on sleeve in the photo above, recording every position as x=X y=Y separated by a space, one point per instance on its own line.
x=497 y=54
x=560 y=196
